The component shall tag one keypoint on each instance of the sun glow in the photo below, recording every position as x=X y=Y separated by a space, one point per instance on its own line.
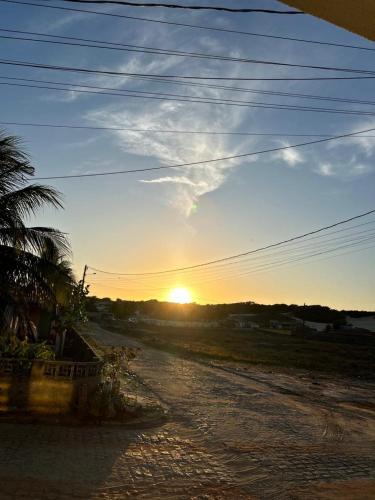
x=180 y=295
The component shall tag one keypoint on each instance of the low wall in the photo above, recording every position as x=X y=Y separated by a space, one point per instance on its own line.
x=47 y=387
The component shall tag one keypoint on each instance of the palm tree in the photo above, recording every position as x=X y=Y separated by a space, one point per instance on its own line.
x=31 y=258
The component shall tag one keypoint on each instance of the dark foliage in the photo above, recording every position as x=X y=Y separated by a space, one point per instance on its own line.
x=124 y=309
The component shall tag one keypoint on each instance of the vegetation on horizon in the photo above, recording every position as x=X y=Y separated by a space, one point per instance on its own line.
x=124 y=309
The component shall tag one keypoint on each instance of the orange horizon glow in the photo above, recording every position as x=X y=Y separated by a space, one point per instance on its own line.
x=268 y=288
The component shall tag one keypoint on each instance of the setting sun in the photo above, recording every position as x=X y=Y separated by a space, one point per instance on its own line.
x=180 y=295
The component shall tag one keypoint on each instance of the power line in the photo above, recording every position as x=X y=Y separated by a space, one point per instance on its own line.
x=243 y=254
x=161 y=96
x=157 y=51
x=190 y=164
x=165 y=77
x=153 y=50
x=269 y=260
x=284 y=262
x=289 y=249
x=353 y=242
x=244 y=89
x=164 y=131
x=292 y=262
x=271 y=267
x=197 y=77
x=194 y=26
x=226 y=278
x=117 y=46
x=189 y=7
x=255 y=91
x=261 y=267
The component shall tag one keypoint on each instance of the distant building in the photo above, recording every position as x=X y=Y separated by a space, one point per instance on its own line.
x=367 y=322
x=247 y=321
x=287 y=324
x=318 y=327
x=178 y=323
x=277 y=321
x=103 y=305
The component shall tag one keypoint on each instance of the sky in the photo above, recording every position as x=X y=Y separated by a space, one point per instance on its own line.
x=160 y=220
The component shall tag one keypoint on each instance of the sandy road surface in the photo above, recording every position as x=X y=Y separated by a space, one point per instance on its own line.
x=231 y=435
x=276 y=435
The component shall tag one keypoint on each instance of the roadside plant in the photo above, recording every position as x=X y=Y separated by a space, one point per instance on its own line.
x=23 y=349
x=75 y=310
x=116 y=366
x=109 y=401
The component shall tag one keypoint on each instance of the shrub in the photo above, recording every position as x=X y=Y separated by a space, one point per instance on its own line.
x=13 y=347
x=108 y=401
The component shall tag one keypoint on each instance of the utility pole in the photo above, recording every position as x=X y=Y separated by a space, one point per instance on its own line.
x=84 y=276
x=303 y=319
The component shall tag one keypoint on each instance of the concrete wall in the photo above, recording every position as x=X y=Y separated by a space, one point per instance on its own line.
x=43 y=394
x=51 y=387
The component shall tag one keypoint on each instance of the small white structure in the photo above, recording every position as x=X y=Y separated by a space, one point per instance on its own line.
x=244 y=321
x=103 y=305
x=367 y=322
x=178 y=323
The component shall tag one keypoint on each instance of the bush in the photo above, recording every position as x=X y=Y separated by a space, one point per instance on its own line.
x=108 y=401
x=13 y=347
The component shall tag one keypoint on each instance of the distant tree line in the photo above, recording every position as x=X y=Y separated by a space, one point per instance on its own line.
x=124 y=309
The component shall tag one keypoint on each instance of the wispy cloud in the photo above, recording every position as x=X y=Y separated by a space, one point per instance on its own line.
x=344 y=168
x=326 y=169
x=351 y=157
x=290 y=156
x=187 y=185
x=170 y=180
x=184 y=188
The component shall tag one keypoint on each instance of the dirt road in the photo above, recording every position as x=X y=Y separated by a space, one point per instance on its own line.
x=231 y=434
x=275 y=435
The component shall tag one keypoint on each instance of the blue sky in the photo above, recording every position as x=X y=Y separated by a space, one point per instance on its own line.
x=151 y=221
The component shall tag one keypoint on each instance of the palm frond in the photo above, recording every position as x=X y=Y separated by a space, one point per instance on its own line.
x=24 y=276
x=27 y=200
x=35 y=239
x=33 y=260
x=15 y=165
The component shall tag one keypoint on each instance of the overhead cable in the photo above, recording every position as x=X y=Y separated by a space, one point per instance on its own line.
x=319 y=241
x=293 y=95
x=193 y=26
x=268 y=267
x=163 y=131
x=124 y=3
x=291 y=249
x=242 y=254
x=136 y=94
x=203 y=162
x=356 y=71
x=128 y=48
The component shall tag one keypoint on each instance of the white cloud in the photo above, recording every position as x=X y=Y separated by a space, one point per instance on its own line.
x=366 y=144
x=170 y=180
x=360 y=169
x=345 y=169
x=174 y=148
x=326 y=169
x=290 y=156
x=186 y=185
x=347 y=158
x=189 y=183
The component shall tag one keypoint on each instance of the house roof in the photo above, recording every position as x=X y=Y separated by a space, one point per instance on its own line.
x=356 y=16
